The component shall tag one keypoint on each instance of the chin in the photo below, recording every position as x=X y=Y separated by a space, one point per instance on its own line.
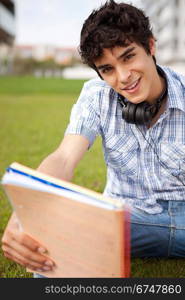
x=135 y=101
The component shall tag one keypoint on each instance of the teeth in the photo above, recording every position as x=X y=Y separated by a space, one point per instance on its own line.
x=132 y=86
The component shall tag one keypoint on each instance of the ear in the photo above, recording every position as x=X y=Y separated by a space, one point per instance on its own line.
x=152 y=46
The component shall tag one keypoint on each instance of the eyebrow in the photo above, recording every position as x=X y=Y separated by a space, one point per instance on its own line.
x=125 y=53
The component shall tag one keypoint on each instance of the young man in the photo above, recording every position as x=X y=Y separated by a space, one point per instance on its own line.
x=138 y=108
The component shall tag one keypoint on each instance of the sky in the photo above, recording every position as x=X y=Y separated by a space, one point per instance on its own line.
x=53 y=22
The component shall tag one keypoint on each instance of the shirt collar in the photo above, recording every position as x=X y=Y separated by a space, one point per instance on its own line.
x=176 y=89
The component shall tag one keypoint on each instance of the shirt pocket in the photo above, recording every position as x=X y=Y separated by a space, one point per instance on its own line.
x=121 y=153
x=172 y=157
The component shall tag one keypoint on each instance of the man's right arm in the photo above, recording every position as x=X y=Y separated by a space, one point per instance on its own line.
x=16 y=244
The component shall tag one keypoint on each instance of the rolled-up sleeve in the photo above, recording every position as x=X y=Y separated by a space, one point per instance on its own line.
x=85 y=115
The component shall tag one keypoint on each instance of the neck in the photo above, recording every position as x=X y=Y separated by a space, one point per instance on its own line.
x=160 y=112
x=160 y=86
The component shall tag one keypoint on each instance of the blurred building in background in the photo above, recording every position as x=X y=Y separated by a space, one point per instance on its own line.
x=168 y=23
x=7 y=22
x=7 y=34
x=45 y=60
x=61 y=55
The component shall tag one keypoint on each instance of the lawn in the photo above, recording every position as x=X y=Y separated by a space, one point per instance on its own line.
x=34 y=114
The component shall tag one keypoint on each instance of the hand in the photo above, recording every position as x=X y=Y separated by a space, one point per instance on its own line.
x=23 y=249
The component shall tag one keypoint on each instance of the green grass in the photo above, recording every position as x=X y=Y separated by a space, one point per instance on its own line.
x=34 y=114
x=31 y=85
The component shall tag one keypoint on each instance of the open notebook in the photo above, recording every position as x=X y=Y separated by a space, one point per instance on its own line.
x=86 y=234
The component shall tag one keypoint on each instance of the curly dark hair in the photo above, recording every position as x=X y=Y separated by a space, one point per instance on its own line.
x=113 y=24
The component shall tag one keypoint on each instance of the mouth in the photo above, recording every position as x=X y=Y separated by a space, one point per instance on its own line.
x=132 y=88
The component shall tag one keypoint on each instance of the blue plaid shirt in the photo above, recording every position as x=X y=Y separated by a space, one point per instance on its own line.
x=143 y=165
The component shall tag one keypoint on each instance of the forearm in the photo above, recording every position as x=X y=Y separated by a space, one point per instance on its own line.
x=62 y=162
x=57 y=166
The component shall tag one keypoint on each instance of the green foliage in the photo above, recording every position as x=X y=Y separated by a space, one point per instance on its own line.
x=27 y=66
x=34 y=114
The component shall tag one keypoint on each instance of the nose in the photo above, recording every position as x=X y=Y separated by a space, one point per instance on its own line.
x=123 y=75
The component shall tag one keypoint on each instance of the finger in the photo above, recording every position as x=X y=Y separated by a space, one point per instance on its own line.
x=7 y=255
x=10 y=240
x=28 y=254
x=23 y=239
x=20 y=262
x=29 y=242
x=15 y=256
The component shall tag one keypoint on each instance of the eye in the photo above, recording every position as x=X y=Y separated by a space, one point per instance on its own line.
x=106 y=70
x=129 y=56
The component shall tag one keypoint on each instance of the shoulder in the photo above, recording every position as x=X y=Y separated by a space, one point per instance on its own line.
x=174 y=78
x=97 y=93
x=97 y=85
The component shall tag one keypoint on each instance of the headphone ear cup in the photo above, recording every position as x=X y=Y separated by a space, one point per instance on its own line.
x=143 y=113
x=128 y=112
x=139 y=114
x=125 y=110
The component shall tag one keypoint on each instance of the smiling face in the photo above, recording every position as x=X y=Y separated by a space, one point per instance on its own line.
x=131 y=72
